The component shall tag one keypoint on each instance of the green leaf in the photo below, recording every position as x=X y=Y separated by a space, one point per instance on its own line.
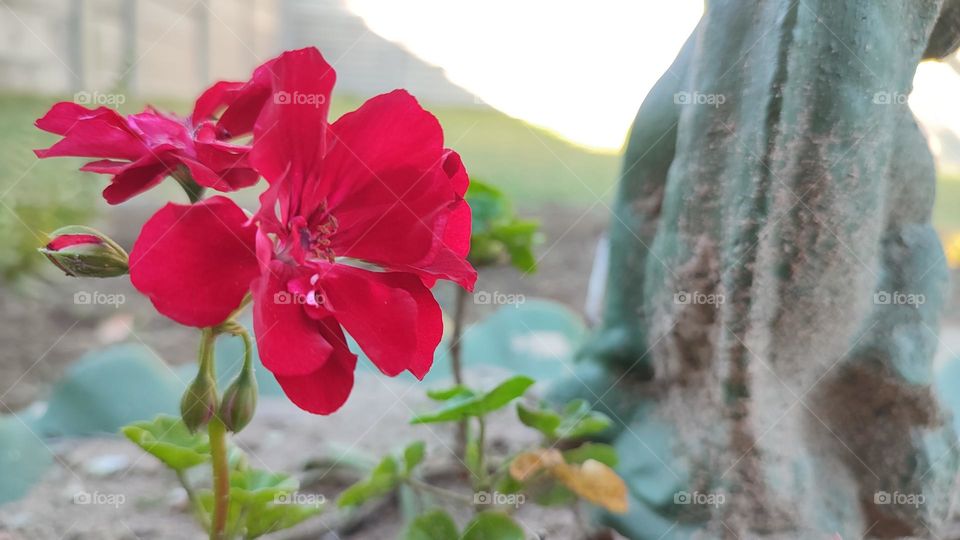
x=604 y=453
x=433 y=525
x=580 y=421
x=492 y=526
x=488 y=206
x=496 y=229
x=478 y=405
x=413 y=455
x=169 y=440
x=518 y=238
x=255 y=485
x=269 y=518
x=543 y=420
x=449 y=393
x=382 y=480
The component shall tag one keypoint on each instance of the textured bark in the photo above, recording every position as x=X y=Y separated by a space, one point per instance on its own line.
x=775 y=188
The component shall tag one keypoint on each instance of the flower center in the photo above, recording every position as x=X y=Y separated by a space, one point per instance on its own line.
x=314 y=238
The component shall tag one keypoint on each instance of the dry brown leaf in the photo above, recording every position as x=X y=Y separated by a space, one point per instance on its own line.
x=594 y=482
x=527 y=464
x=591 y=480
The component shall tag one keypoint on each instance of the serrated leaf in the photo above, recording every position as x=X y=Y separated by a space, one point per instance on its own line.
x=492 y=526
x=543 y=420
x=604 y=453
x=433 y=525
x=169 y=440
x=478 y=405
x=413 y=455
x=382 y=480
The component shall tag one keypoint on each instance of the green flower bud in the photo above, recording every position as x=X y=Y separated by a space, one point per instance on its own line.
x=84 y=252
x=199 y=402
x=239 y=402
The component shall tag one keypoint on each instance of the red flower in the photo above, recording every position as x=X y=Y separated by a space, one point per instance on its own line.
x=140 y=150
x=361 y=217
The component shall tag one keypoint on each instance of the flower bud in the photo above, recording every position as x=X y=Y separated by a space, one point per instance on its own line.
x=199 y=402
x=239 y=402
x=84 y=252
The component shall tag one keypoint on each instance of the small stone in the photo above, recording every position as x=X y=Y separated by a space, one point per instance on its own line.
x=106 y=465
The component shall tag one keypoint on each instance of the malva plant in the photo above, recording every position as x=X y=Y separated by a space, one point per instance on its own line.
x=360 y=217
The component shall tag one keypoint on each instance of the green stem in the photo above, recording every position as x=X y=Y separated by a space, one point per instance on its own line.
x=218 y=446
x=221 y=478
x=456 y=364
x=437 y=490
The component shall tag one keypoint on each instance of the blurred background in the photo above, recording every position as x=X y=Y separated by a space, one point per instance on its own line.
x=537 y=96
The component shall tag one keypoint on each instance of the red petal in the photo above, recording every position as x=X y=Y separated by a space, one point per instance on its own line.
x=387 y=171
x=213 y=99
x=325 y=390
x=195 y=262
x=290 y=133
x=132 y=178
x=98 y=133
x=67 y=240
x=289 y=341
x=392 y=315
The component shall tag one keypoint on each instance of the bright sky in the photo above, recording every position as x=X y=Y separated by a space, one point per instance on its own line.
x=580 y=69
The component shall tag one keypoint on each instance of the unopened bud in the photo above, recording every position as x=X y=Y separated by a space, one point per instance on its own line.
x=239 y=402
x=84 y=252
x=199 y=402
